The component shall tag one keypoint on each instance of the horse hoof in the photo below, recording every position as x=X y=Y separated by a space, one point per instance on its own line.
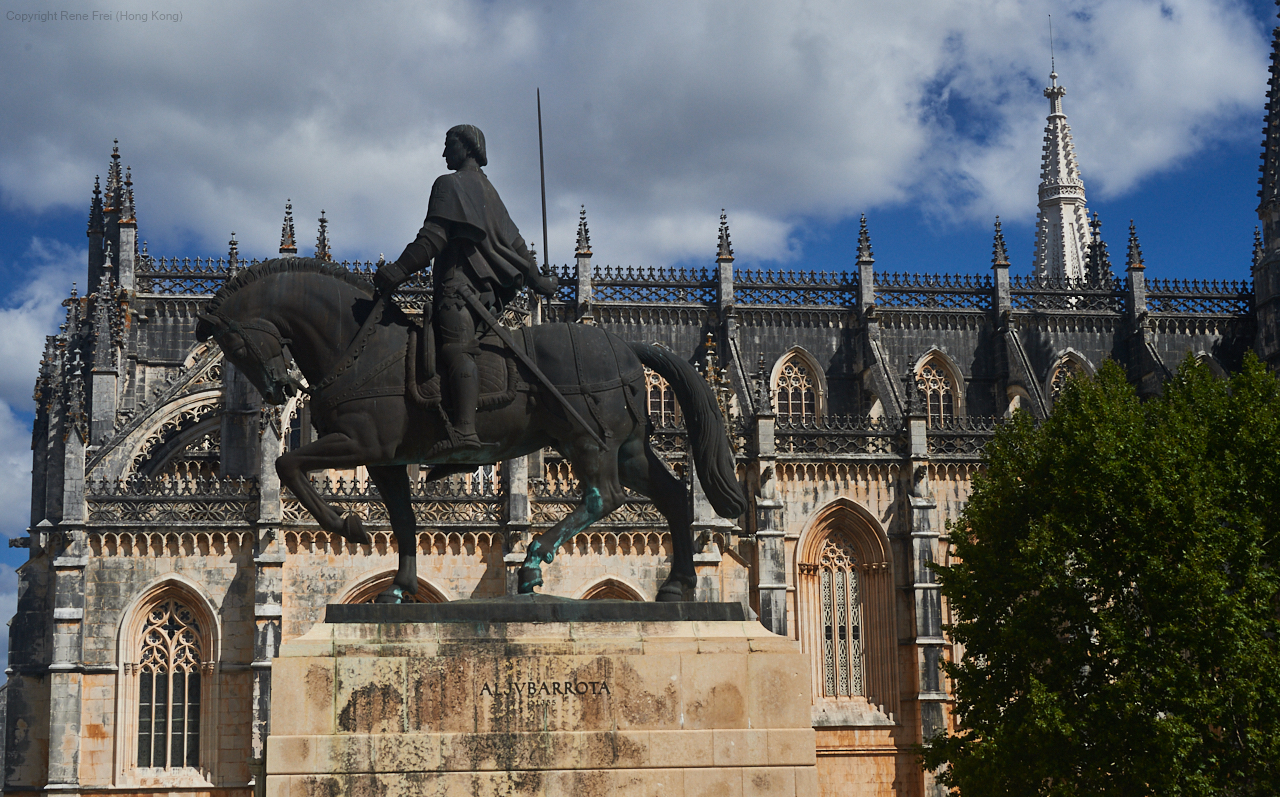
x=353 y=530
x=530 y=577
x=392 y=594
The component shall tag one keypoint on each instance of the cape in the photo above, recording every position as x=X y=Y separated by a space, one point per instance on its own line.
x=466 y=203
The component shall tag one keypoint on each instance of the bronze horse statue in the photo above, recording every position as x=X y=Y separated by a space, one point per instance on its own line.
x=365 y=364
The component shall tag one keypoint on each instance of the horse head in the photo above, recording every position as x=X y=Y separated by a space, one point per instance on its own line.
x=257 y=348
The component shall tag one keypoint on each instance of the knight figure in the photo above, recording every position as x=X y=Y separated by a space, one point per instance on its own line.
x=476 y=247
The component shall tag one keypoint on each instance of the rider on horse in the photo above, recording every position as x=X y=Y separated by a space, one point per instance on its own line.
x=476 y=246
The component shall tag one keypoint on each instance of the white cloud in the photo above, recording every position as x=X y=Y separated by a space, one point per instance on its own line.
x=33 y=311
x=657 y=113
x=15 y=475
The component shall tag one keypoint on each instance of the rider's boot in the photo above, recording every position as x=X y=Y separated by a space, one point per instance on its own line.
x=464 y=395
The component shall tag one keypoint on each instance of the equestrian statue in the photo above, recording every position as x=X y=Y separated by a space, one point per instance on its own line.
x=460 y=390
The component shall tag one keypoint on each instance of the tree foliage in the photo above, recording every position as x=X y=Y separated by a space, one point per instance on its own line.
x=1116 y=596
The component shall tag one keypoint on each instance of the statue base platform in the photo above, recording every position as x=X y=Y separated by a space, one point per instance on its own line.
x=387 y=706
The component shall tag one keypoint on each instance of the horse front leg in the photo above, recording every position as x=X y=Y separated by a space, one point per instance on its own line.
x=393 y=485
x=335 y=450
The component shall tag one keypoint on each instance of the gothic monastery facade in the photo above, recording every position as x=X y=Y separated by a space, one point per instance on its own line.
x=166 y=566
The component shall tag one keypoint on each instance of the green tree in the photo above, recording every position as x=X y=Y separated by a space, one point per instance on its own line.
x=1116 y=596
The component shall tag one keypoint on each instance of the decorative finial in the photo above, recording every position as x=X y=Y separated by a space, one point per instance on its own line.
x=724 y=251
x=96 y=223
x=322 y=240
x=764 y=396
x=999 y=255
x=1055 y=93
x=1257 y=247
x=912 y=386
x=233 y=250
x=864 y=243
x=288 y=244
x=126 y=197
x=533 y=255
x=584 y=235
x=1135 y=250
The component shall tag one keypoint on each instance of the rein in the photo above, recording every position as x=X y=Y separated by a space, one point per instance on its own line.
x=352 y=353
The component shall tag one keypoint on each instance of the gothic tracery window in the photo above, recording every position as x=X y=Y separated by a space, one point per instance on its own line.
x=1062 y=372
x=661 y=400
x=169 y=689
x=841 y=595
x=795 y=396
x=939 y=392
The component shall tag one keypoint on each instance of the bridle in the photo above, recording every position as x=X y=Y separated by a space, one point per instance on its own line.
x=223 y=325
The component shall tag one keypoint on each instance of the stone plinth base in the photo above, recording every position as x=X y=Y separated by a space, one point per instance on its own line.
x=578 y=708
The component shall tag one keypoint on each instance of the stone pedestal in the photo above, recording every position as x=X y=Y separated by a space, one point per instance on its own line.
x=571 y=706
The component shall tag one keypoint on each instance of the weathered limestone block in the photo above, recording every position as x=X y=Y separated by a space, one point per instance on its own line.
x=550 y=708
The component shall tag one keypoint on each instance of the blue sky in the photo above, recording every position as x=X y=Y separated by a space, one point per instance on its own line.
x=795 y=118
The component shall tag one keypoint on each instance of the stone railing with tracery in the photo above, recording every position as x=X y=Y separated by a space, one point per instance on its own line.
x=803 y=288
x=474 y=499
x=665 y=285
x=838 y=437
x=1197 y=297
x=962 y=438
x=1032 y=293
x=934 y=291
x=141 y=501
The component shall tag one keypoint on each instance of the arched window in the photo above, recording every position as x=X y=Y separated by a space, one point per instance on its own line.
x=795 y=397
x=611 y=589
x=939 y=392
x=845 y=617
x=368 y=590
x=1063 y=371
x=169 y=688
x=841 y=594
x=663 y=410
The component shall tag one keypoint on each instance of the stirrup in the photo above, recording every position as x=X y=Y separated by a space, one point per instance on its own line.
x=455 y=442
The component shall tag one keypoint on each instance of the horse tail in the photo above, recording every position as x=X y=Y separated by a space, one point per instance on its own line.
x=711 y=452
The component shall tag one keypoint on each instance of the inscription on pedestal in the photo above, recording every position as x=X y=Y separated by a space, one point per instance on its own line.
x=538 y=688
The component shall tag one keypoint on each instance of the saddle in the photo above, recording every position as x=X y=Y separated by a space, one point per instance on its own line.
x=496 y=366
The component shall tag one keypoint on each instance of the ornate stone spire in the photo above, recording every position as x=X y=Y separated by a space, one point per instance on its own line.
x=96 y=223
x=1269 y=182
x=724 y=250
x=114 y=182
x=999 y=255
x=233 y=251
x=584 y=235
x=288 y=244
x=1097 y=260
x=1134 y=260
x=864 y=243
x=1062 y=226
x=126 y=198
x=322 y=240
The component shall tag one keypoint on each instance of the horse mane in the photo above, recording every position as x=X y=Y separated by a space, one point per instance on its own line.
x=285 y=265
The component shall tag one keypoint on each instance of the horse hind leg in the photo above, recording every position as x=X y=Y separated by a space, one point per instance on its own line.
x=640 y=469
x=393 y=485
x=601 y=494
